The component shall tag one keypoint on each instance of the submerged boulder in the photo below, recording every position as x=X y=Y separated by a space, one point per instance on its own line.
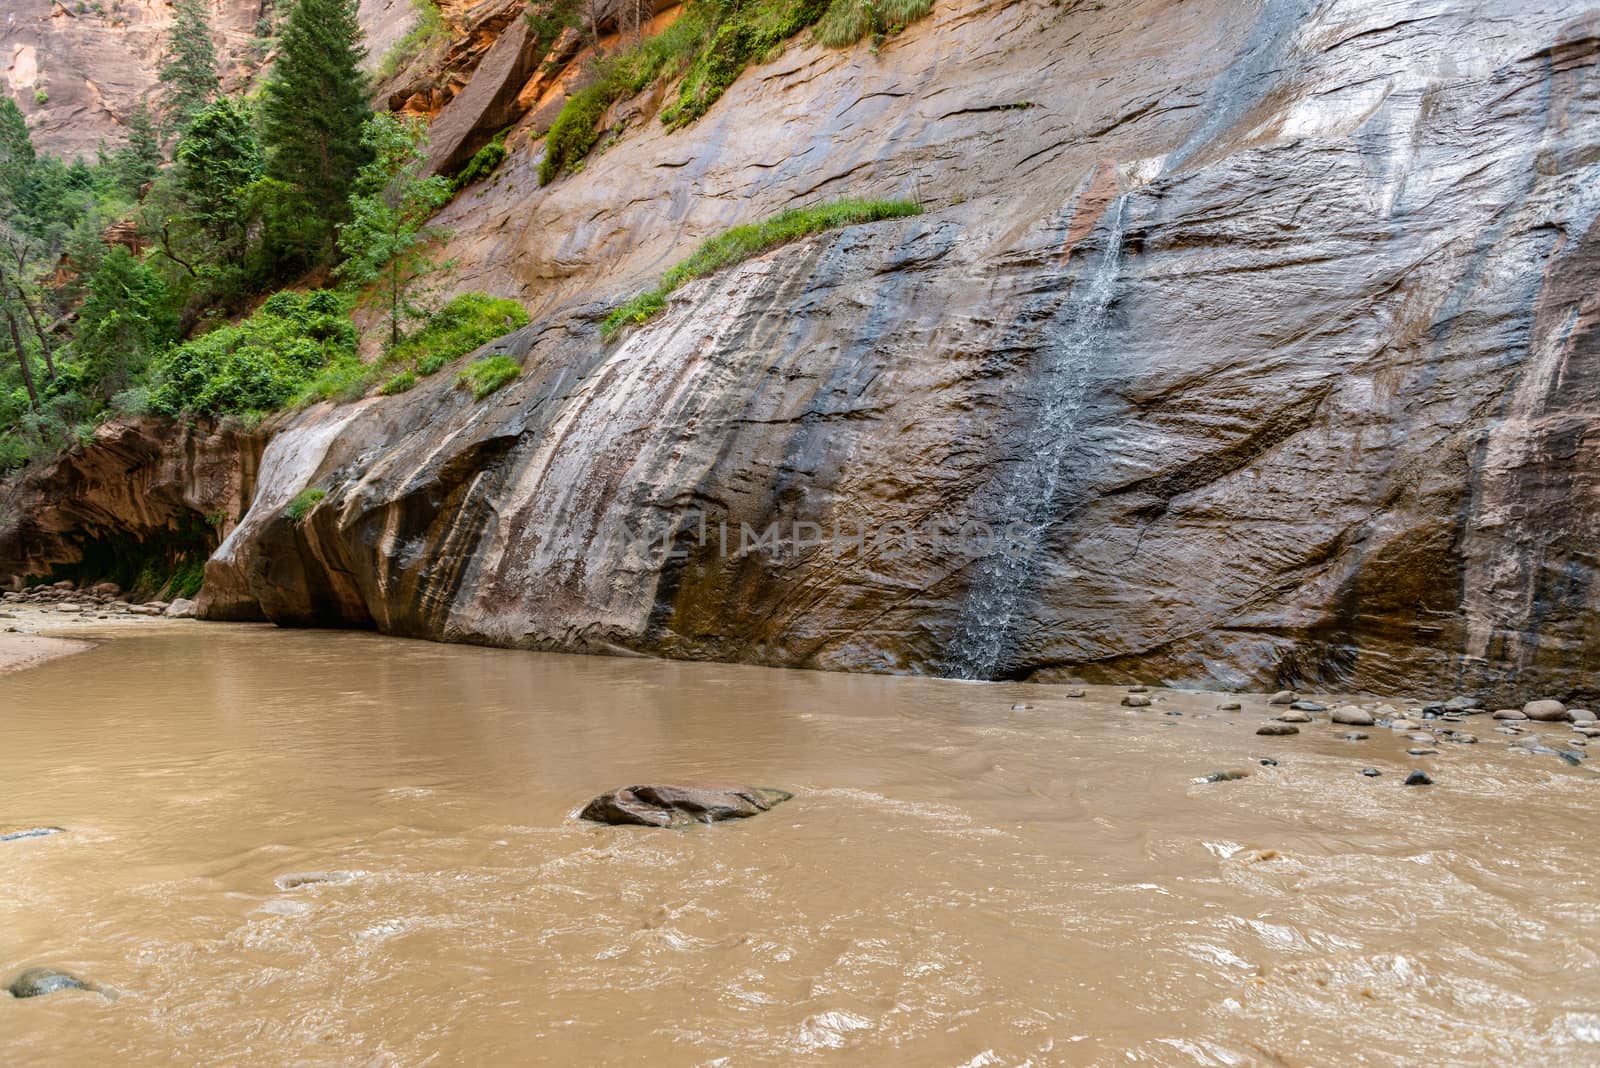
x=36 y=982
x=668 y=806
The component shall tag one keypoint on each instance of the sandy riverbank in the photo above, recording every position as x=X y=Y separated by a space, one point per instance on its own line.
x=19 y=651
x=33 y=634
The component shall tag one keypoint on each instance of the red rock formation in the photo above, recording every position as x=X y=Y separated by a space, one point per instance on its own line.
x=1271 y=324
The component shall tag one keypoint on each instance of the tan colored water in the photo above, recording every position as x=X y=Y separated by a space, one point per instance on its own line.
x=955 y=883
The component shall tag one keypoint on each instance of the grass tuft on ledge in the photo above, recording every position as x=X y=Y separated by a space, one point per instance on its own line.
x=488 y=374
x=743 y=242
x=303 y=503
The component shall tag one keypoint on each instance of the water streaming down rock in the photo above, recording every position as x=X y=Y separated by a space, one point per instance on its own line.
x=1029 y=492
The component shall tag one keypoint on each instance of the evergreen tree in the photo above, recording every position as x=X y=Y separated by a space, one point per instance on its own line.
x=190 y=74
x=219 y=160
x=138 y=164
x=125 y=319
x=313 y=110
x=16 y=155
x=386 y=239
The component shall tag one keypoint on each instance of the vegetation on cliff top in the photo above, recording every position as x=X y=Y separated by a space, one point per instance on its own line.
x=743 y=242
x=709 y=44
x=430 y=29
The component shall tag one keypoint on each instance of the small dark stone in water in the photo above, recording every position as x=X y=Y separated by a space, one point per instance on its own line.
x=1174 y=713
x=1307 y=706
x=1227 y=776
x=668 y=806
x=1371 y=773
x=1136 y=700
x=36 y=982
x=1355 y=736
x=1460 y=737
x=1268 y=762
x=1418 y=778
x=1076 y=693
x=1275 y=730
x=295 y=880
x=27 y=832
x=1422 y=752
x=1570 y=757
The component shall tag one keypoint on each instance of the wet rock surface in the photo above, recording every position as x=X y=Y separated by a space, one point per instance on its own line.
x=667 y=806
x=37 y=982
x=1234 y=259
x=16 y=834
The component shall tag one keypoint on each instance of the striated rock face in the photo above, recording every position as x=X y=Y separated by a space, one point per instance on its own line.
x=142 y=483
x=78 y=68
x=1267 y=330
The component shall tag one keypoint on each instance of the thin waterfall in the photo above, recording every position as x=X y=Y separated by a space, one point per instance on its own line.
x=1026 y=495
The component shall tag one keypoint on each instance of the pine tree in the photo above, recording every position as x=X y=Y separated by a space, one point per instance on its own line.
x=219 y=160
x=138 y=164
x=313 y=110
x=387 y=236
x=16 y=154
x=190 y=74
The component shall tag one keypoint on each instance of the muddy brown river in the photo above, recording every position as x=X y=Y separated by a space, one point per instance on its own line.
x=304 y=848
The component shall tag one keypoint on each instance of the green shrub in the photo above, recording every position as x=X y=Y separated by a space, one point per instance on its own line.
x=430 y=27
x=485 y=376
x=711 y=43
x=345 y=379
x=469 y=321
x=746 y=34
x=185 y=579
x=624 y=74
x=261 y=364
x=848 y=21
x=743 y=242
x=303 y=502
x=482 y=164
x=399 y=383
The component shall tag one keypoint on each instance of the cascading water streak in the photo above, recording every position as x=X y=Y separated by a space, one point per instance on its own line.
x=1026 y=494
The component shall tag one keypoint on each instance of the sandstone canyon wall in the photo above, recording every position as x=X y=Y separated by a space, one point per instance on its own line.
x=1269 y=326
x=79 y=68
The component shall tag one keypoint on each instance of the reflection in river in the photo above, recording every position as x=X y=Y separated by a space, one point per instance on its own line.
x=328 y=849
